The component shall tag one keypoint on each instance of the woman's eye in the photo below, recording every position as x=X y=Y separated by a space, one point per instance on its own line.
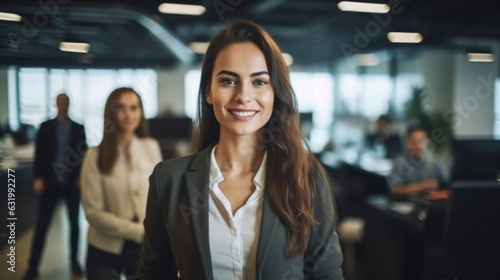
x=260 y=82
x=228 y=82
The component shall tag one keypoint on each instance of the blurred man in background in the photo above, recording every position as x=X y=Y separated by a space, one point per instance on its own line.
x=416 y=171
x=60 y=147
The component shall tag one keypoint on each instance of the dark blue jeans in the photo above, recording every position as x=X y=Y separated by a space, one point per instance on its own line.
x=46 y=204
x=106 y=266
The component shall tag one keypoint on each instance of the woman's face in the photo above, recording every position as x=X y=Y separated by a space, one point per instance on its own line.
x=128 y=112
x=240 y=90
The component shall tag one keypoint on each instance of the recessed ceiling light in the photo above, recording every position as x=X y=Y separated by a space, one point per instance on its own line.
x=181 y=9
x=480 y=57
x=288 y=58
x=361 y=7
x=404 y=37
x=10 y=17
x=368 y=59
x=74 y=47
x=198 y=47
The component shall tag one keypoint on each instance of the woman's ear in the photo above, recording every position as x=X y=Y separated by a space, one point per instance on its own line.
x=208 y=97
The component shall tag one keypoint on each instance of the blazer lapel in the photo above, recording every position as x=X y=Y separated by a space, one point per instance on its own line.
x=267 y=230
x=197 y=180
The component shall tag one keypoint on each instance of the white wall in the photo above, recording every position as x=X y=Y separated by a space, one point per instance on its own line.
x=473 y=96
x=437 y=69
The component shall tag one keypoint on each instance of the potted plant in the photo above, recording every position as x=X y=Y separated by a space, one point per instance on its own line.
x=432 y=121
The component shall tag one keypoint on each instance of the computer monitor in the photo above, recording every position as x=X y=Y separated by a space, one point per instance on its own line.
x=475 y=159
x=472 y=230
x=171 y=127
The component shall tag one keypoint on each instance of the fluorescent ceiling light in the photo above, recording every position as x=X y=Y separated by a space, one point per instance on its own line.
x=198 y=47
x=288 y=58
x=10 y=17
x=349 y=6
x=404 y=37
x=74 y=47
x=181 y=9
x=480 y=57
x=368 y=59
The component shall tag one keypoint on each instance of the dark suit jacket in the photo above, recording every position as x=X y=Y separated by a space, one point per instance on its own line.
x=45 y=165
x=176 y=230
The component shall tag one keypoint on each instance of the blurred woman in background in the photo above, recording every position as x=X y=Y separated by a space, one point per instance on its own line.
x=114 y=187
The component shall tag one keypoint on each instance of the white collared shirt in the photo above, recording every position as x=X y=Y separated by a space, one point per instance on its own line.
x=234 y=239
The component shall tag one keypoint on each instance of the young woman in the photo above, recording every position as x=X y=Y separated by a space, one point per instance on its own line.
x=253 y=203
x=114 y=187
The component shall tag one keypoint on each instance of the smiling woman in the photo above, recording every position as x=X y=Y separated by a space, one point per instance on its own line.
x=242 y=97
x=253 y=203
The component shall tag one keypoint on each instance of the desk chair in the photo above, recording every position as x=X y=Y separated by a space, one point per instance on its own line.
x=472 y=230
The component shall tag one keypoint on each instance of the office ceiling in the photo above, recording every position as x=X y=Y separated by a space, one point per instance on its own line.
x=132 y=33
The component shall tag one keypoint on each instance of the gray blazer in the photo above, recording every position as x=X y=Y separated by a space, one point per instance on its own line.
x=176 y=230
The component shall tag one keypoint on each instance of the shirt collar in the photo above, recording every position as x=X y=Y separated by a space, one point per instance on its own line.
x=216 y=175
x=65 y=124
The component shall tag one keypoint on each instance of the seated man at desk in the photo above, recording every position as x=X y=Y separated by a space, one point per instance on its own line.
x=416 y=171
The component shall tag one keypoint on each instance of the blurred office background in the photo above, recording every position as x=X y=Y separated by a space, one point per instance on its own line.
x=347 y=69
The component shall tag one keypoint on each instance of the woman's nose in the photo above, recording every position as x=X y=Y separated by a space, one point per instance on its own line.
x=243 y=93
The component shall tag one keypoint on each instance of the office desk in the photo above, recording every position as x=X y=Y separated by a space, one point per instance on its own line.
x=400 y=241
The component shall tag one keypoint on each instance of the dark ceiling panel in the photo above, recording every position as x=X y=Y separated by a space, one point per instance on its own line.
x=134 y=33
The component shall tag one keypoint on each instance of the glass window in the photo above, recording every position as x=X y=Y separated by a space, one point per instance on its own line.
x=99 y=84
x=87 y=89
x=348 y=88
x=315 y=94
x=407 y=78
x=349 y=93
x=33 y=99
x=56 y=86
x=191 y=85
x=376 y=91
x=75 y=88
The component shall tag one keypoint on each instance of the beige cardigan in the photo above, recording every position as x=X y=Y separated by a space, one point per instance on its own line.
x=111 y=201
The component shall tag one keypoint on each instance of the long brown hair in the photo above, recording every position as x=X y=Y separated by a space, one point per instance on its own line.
x=108 y=149
x=292 y=172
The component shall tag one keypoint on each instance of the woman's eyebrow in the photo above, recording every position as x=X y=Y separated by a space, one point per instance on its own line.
x=230 y=73
x=259 y=73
